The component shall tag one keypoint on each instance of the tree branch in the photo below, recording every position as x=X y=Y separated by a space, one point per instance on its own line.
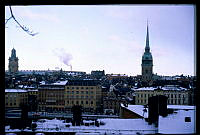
x=22 y=27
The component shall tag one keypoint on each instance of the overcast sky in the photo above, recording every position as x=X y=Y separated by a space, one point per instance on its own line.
x=103 y=37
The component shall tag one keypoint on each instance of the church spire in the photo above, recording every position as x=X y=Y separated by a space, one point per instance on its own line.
x=147 y=48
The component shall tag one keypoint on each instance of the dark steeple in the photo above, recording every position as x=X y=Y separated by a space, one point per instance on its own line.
x=147 y=48
x=13 y=54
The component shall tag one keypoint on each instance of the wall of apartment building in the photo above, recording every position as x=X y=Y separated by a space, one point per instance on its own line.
x=111 y=103
x=89 y=97
x=15 y=99
x=174 y=97
x=51 y=99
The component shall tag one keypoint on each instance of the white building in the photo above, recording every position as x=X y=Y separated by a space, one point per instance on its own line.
x=176 y=95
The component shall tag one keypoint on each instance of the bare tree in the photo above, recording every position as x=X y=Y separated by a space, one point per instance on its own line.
x=22 y=27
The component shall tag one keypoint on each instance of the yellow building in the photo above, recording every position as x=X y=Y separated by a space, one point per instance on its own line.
x=14 y=98
x=51 y=97
x=87 y=93
x=176 y=95
x=63 y=95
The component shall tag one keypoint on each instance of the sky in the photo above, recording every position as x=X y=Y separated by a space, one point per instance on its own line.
x=103 y=37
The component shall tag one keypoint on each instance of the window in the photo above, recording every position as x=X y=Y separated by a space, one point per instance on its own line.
x=72 y=87
x=91 y=92
x=86 y=87
x=77 y=92
x=91 y=102
x=77 y=88
x=67 y=87
x=77 y=96
x=146 y=71
x=91 y=87
x=72 y=92
x=77 y=102
x=86 y=102
x=10 y=104
x=86 y=92
x=171 y=96
x=82 y=88
x=187 y=119
x=81 y=102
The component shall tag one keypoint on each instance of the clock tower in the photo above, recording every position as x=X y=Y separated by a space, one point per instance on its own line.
x=13 y=62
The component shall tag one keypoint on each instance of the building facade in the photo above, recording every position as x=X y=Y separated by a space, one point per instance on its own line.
x=13 y=62
x=175 y=95
x=14 y=98
x=112 y=102
x=64 y=95
x=87 y=93
x=51 y=97
x=147 y=62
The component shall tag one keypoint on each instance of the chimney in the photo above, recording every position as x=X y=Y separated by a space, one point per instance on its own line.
x=71 y=67
x=157 y=106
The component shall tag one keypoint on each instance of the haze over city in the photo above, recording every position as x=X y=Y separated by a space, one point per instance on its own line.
x=110 y=38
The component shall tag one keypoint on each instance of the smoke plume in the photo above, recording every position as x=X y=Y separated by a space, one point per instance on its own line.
x=63 y=56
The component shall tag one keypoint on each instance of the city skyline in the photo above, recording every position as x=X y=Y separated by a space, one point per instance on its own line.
x=110 y=38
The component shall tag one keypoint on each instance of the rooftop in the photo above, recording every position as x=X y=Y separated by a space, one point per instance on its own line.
x=15 y=90
x=167 y=87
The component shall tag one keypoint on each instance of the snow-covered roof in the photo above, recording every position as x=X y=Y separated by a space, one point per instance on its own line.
x=118 y=126
x=30 y=87
x=32 y=90
x=15 y=90
x=181 y=107
x=138 y=109
x=175 y=123
x=144 y=88
x=42 y=82
x=162 y=88
x=60 y=82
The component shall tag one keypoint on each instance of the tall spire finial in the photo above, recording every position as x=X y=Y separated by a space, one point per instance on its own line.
x=147 y=48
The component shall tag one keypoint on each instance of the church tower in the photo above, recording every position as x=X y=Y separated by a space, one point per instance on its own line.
x=147 y=62
x=13 y=62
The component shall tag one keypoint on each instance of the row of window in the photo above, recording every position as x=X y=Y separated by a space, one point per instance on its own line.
x=11 y=104
x=80 y=88
x=168 y=95
x=168 y=101
x=77 y=96
x=77 y=102
x=77 y=92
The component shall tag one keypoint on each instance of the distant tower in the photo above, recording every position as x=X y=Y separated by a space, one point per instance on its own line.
x=13 y=62
x=147 y=62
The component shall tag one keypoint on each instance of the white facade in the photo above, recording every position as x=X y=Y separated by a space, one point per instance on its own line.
x=176 y=96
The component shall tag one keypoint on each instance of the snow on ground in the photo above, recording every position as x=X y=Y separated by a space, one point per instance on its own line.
x=115 y=126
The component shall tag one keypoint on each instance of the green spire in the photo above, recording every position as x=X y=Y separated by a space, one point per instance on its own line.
x=147 y=48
